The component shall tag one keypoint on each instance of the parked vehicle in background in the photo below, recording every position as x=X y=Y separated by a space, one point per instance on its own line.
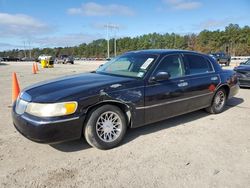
x=132 y=90
x=28 y=59
x=8 y=58
x=1 y=59
x=245 y=62
x=243 y=73
x=64 y=59
x=222 y=58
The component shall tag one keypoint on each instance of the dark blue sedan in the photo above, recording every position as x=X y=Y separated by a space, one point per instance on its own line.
x=243 y=73
x=132 y=90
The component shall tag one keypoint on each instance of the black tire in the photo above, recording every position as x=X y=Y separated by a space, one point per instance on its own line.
x=219 y=102
x=99 y=139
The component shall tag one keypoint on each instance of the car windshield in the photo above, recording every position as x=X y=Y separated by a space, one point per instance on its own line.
x=131 y=65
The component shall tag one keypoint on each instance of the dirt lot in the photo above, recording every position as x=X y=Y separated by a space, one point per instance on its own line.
x=193 y=150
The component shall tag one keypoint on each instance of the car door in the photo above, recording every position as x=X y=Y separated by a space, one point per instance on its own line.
x=202 y=81
x=164 y=98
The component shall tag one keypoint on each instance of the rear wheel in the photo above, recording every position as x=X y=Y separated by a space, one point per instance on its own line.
x=218 y=103
x=105 y=127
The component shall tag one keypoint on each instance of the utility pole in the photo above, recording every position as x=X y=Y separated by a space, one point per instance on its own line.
x=24 y=49
x=111 y=26
x=115 y=45
x=116 y=28
x=174 y=41
x=107 y=26
x=29 y=49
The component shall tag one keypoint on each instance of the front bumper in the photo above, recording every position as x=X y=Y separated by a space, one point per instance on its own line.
x=48 y=130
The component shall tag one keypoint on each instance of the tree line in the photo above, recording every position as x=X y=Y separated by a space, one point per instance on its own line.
x=234 y=40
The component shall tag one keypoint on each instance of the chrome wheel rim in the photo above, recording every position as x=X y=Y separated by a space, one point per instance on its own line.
x=108 y=126
x=219 y=100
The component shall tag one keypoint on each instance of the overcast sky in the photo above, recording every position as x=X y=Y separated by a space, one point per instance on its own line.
x=50 y=23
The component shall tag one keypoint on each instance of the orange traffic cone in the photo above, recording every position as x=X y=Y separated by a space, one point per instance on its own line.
x=36 y=67
x=33 y=69
x=15 y=87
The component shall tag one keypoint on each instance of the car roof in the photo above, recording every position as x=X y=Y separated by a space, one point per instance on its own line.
x=162 y=51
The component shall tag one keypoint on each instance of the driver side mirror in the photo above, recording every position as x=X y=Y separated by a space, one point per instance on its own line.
x=161 y=76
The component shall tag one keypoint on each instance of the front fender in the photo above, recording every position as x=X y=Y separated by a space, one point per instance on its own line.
x=127 y=99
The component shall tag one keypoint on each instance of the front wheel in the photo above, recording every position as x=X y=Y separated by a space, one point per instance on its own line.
x=218 y=103
x=105 y=127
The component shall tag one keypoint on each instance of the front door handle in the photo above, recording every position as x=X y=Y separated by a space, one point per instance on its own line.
x=214 y=78
x=182 y=84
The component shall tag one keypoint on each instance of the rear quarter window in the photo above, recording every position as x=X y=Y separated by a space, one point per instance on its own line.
x=197 y=64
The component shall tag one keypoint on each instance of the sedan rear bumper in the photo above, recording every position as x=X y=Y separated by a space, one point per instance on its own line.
x=47 y=131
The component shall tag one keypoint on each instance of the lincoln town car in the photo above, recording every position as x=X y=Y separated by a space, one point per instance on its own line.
x=132 y=90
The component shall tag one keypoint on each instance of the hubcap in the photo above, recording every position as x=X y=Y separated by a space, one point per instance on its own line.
x=219 y=100
x=108 y=126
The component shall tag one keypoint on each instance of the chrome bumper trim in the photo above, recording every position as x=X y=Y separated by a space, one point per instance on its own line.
x=49 y=121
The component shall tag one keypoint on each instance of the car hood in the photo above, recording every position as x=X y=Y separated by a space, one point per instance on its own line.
x=74 y=87
x=243 y=68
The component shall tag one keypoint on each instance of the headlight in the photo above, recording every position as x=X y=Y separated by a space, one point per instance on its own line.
x=51 y=110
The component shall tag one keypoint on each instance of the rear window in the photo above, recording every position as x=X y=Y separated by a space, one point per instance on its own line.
x=197 y=64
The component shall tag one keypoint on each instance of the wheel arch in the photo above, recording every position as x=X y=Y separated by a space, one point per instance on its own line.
x=123 y=107
x=224 y=86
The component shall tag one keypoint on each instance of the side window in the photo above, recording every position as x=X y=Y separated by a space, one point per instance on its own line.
x=197 y=64
x=173 y=65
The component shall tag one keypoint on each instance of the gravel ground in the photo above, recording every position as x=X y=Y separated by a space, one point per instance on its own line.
x=192 y=150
